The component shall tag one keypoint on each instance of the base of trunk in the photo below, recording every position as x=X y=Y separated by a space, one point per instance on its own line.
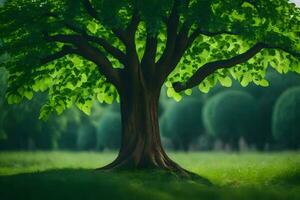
x=141 y=146
x=164 y=163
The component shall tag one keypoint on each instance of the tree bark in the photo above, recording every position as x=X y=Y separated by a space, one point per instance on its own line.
x=141 y=146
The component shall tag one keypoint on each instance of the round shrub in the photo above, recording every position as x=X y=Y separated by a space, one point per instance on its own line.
x=267 y=99
x=230 y=115
x=286 y=118
x=109 y=131
x=181 y=123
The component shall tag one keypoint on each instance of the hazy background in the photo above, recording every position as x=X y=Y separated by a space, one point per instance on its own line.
x=235 y=118
x=227 y=119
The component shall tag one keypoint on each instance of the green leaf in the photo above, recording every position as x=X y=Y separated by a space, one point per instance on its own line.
x=108 y=99
x=188 y=92
x=177 y=97
x=246 y=79
x=59 y=109
x=100 y=97
x=203 y=88
x=45 y=112
x=14 y=99
x=84 y=78
x=28 y=94
x=168 y=84
x=85 y=107
x=226 y=82
x=92 y=27
x=170 y=92
x=264 y=83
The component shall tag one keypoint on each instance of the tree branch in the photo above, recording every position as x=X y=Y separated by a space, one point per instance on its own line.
x=211 y=67
x=172 y=27
x=115 y=52
x=91 y=53
x=148 y=60
x=89 y=8
x=212 y=34
x=121 y=34
x=182 y=43
x=127 y=35
x=65 y=51
x=67 y=24
x=134 y=23
x=198 y=32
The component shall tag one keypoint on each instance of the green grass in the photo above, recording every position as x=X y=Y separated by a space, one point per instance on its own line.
x=67 y=175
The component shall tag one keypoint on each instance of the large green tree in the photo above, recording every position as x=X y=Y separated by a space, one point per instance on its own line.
x=80 y=50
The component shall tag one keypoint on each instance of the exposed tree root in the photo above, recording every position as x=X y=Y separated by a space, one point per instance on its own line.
x=167 y=166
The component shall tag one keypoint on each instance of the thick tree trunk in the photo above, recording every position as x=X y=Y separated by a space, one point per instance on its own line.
x=141 y=146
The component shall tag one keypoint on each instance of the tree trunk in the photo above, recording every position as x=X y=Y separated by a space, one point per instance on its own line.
x=141 y=146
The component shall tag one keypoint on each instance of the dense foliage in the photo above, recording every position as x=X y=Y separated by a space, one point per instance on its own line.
x=47 y=43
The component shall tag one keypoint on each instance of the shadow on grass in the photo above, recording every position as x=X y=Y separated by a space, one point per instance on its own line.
x=290 y=178
x=72 y=184
x=91 y=184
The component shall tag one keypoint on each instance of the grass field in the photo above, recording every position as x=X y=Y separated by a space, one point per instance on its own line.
x=67 y=175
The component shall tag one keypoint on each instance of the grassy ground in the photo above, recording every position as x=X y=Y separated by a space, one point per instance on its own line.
x=63 y=175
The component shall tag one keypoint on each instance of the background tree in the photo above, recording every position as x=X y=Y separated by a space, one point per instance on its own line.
x=108 y=131
x=182 y=123
x=286 y=118
x=3 y=86
x=24 y=131
x=80 y=50
x=86 y=138
x=231 y=115
x=265 y=98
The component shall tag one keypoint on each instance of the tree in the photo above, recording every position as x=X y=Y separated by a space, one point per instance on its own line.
x=108 y=131
x=286 y=116
x=182 y=123
x=86 y=139
x=79 y=50
x=265 y=99
x=3 y=85
x=231 y=115
x=24 y=131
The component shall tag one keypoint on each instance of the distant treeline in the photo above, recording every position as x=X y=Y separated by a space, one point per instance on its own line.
x=235 y=118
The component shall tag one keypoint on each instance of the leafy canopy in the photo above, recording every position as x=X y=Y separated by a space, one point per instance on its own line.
x=73 y=49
